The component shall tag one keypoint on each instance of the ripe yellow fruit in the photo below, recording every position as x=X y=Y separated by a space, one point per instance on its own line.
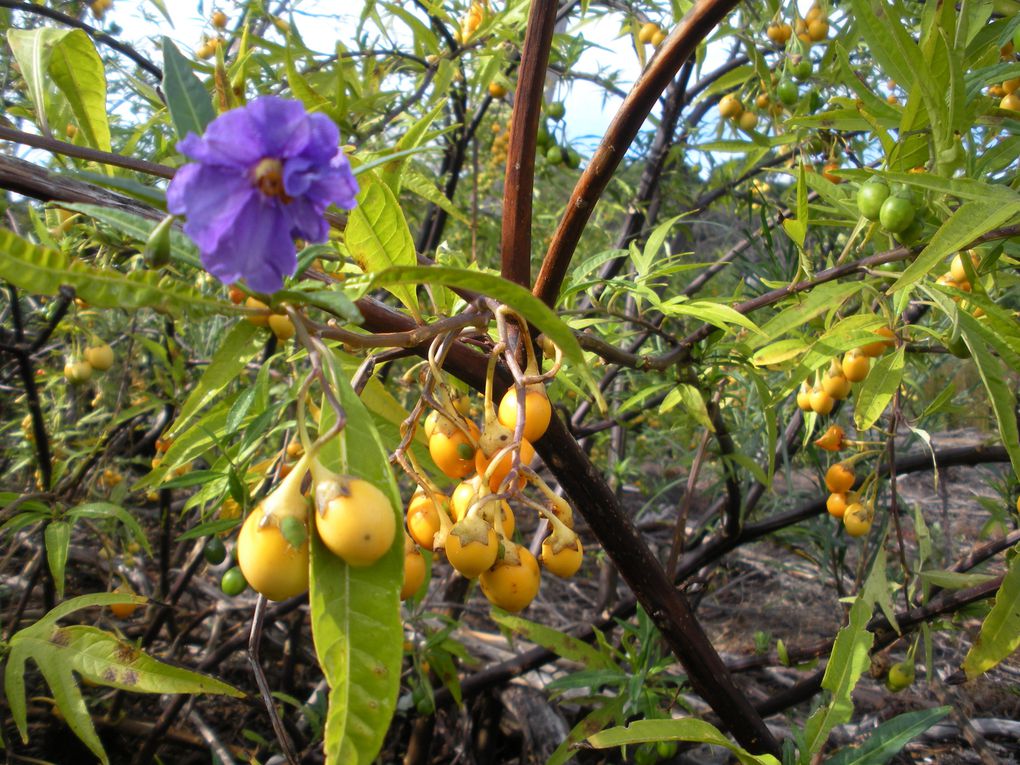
x=821 y=402
x=857 y=520
x=100 y=357
x=879 y=347
x=839 y=478
x=219 y=19
x=496 y=90
x=502 y=469
x=657 y=38
x=836 y=505
x=269 y=563
x=957 y=269
x=748 y=121
x=414 y=574
x=423 y=518
x=647 y=32
x=468 y=554
x=358 y=525
x=818 y=29
x=259 y=319
x=730 y=107
x=856 y=366
x=762 y=100
x=832 y=439
x=837 y=386
x=282 y=326
x=512 y=585
x=123 y=610
x=804 y=398
x=563 y=562
x=454 y=454
x=1010 y=102
x=537 y=412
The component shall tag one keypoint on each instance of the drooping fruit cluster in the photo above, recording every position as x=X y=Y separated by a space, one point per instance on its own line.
x=98 y=358
x=895 y=209
x=474 y=525
x=279 y=323
x=836 y=383
x=651 y=34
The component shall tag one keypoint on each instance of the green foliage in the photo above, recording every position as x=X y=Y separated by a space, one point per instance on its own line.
x=1000 y=631
x=95 y=655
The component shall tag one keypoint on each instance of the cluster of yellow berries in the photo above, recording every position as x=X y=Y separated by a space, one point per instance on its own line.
x=209 y=47
x=279 y=323
x=836 y=382
x=732 y=108
x=957 y=277
x=651 y=34
x=814 y=27
x=353 y=518
x=97 y=358
x=1007 y=91
x=857 y=516
x=472 y=525
x=498 y=152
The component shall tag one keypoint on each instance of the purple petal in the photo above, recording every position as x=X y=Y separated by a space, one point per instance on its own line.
x=233 y=138
x=306 y=220
x=323 y=139
x=259 y=248
x=211 y=198
x=282 y=125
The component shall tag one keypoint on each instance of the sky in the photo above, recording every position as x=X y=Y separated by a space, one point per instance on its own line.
x=319 y=24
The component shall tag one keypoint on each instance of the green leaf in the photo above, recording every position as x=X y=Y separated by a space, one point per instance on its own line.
x=32 y=49
x=393 y=171
x=690 y=397
x=187 y=99
x=57 y=537
x=43 y=271
x=136 y=227
x=592 y=723
x=1001 y=393
x=847 y=662
x=356 y=622
x=886 y=741
x=239 y=347
x=559 y=643
x=687 y=729
x=970 y=220
x=1000 y=632
x=954 y=580
x=717 y=314
x=78 y=71
x=99 y=510
x=418 y=184
x=333 y=300
x=820 y=300
x=378 y=238
x=878 y=389
x=95 y=655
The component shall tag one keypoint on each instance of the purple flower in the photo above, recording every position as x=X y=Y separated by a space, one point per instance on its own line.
x=262 y=176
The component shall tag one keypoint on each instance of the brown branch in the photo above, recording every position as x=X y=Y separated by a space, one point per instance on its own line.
x=83 y=152
x=671 y=55
x=518 y=185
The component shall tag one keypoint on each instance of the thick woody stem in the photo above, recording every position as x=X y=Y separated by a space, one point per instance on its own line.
x=671 y=55
x=520 y=169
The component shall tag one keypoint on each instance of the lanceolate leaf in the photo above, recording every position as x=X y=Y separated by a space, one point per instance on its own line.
x=238 y=348
x=187 y=99
x=878 y=389
x=688 y=729
x=138 y=228
x=1001 y=393
x=78 y=71
x=98 y=656
x=849 y=659
x=57 y=535
x=559 y=643
x=1000 y=632
x=356 y=621
x=43 y=271
x=32 y=49
x=378 y=238
x=970 y=220
x=886 y=741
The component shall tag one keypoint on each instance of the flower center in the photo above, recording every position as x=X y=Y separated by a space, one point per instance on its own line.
x=269 y=178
